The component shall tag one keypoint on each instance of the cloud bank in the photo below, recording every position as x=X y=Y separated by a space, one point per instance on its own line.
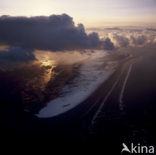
x=54 y=33
x=131 y=39
x=25 y=35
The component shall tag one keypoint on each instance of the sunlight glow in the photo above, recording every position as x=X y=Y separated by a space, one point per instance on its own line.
x=92 y=13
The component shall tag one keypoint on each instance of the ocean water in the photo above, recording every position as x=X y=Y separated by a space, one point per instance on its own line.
x=93 y=72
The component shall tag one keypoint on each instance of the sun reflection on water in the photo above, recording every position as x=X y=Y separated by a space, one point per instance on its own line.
x=45 y=60
x=49 y=64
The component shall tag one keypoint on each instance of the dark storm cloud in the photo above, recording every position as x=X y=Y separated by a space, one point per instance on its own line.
x=107 y=44
x=55 y=33
x=17 y=54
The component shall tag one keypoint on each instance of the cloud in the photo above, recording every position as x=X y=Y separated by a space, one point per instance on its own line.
x=151 y=29
x=107 y=44
x=131 y=39
x=54 y=33
x=16 y=55
x=120 y=40
x=113 y=28
x=138 y=40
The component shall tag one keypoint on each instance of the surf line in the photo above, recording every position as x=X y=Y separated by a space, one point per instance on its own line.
x=105 y=99
x=124 y=87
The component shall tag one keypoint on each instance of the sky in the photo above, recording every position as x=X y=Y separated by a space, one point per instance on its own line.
x=92 y=13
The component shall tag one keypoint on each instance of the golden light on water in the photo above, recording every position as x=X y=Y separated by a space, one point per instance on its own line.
x=45 y=60
x=49 y=71
x=48 y=62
